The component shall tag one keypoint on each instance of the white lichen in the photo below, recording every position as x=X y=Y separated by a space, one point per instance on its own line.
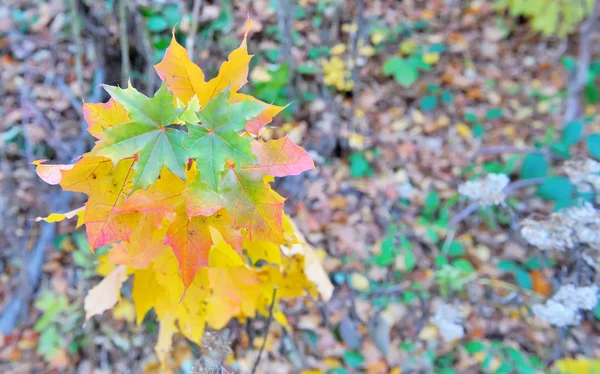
x=565 y=229
x=584 y=298
x=584 y=174
x=486 y=191
x=563 y=308
x=555 y=313
x=448 y=320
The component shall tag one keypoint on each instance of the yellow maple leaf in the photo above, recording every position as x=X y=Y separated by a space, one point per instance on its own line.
x=185 y=79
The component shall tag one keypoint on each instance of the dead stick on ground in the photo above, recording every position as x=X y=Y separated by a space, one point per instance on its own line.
x=191 y=39
x=579 y=80
x=264 y=342
x=463 y=214
x=145 y=46
x=76 y=31
x=125 y=68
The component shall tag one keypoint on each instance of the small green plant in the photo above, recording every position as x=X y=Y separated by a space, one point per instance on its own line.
x=406 y=70
x=555 y=17
x=58 y=325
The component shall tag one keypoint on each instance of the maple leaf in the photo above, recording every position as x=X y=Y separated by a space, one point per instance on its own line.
x=185 y=80
x=216 y=140
x=222 y=255
x=233 y=73
x=105 y=294
x=106 y=194
x=262 y=250
x=86 y=173
x=107 y=187
x=235 y=293
x=280 y=158
x=256 y=124
x=164 y=196
x=166 y=330
x=101 y=116
x=144 y=280
x=148 y=134
x=50 y=174
x=191 y=240
x=183 y=77
x=58 y=217
x=147 y=245
x=253 y=205
x=200 y=200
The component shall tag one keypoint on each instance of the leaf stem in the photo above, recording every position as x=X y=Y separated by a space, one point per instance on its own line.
x=264 y=342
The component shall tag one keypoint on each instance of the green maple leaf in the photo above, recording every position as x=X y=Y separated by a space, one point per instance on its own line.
x=147 y=134
x=216 y=140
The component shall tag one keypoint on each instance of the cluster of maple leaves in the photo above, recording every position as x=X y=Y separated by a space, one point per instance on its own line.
x=190 y=214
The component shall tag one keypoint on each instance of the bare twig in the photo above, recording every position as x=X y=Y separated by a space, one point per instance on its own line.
x=76 y=32
x=264 y=342
x=285 y=21
x=355 y=38
x=505 y=149
x=125 y=67
x=469 y=209
x=146 y=48
x=576 y=85
x=191 y=39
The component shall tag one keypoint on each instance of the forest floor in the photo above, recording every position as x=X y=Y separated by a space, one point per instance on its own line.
x=391 y=146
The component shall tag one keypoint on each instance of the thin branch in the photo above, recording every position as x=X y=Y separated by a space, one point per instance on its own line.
x=285 y=22
x=191 y=39
x=264 y=343
x=355 y=38
x=76 y=33
x=125 y=67
x=505 y=149
x=146 y=48
x=471 y=208
x=579 y=80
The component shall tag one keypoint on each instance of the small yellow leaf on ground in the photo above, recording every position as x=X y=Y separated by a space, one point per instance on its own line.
x=350 y=27
x=428 y=333
x=338 y=49
x=480 y=356
x=105 y=294
x=356 y=141
x=590 y=110
x=510 y=131
x=408 y=46
x=260 y=75
x=428 y=14
x=377 y=37
x=332 y=362
x=418 y=117
x=366 y=51
x=431 y=58
x=578 y=366
x=464 y=131
x=359 y=282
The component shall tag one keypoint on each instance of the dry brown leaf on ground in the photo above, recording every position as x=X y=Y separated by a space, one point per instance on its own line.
x=105 y=294
x=313 y=269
